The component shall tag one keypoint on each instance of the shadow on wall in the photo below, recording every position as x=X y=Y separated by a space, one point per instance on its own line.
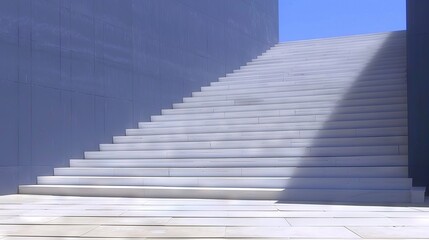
x=373 y=105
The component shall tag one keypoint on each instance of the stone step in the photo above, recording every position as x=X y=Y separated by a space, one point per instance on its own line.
x=253 y=135
x=285 y=119
x=336 y=72
x=255 y=152
x=286 y=112
x=301 y=92
x=234 y=182
x=326 y=61
x=279 y=98
x=303 y=161
x=286 y=90
x=244 y=144
x=336 y=195
x=330 y=53
x=247 y=106
x=325 y=83
x=302 y=78
x=310 y=62
x=271 y=127
x=398 y=65
x=307 y=172
x=351 y=39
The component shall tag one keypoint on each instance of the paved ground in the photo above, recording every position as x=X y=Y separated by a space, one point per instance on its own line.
x=47 y=217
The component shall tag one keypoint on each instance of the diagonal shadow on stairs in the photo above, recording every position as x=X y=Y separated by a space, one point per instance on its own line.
x=371 y=118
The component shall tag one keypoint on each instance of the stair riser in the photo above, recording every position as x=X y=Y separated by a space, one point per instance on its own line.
x=307 y=172
x=315 y=62
x=341 y=67
x=281 y=106
x=330 y=55
x=328 y=63
x=353 y=43
x=323 y=84
x=348 y=48
x=272 y=127
x=367 y=161
x=306 y=90
x=287 y=183
x=277 y=79
x=306 y=78
x=287 y=112
x=255 y=152
x=277 y=98
x=374 y=38
x=349 y=41
x=384 y=141
x=292 y=119
x=344 y=49
x=370 y=196
x=301 y=134
x=291 y=75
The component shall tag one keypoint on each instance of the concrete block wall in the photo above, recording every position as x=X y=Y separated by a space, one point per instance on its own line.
x=418 y=90
x=73 y=73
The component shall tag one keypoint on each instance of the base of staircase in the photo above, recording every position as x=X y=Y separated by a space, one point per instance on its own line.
x=416 y=195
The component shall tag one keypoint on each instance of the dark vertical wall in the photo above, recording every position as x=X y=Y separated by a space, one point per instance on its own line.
x=418 y=90
x=73 y=73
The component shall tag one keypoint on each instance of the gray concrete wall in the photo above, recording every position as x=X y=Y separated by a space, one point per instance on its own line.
x=418 y=90
x=73 y=73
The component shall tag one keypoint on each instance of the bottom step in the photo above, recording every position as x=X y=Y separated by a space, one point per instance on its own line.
x=325 y=195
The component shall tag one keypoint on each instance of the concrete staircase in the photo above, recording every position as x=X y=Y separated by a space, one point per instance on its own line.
x=315 y=120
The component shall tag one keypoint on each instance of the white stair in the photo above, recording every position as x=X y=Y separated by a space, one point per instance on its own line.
x=314 y=120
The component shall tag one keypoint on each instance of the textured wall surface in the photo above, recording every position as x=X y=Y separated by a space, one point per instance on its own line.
x=73 y=73
x=418 y=90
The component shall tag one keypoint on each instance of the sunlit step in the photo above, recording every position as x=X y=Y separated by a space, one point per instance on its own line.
x=237 y=77
x=325 y=62
x=255 y=152
x=298 y=99
x=336 y=72
x=352 y=39
x=252 y=135
x=302 y=78
x=337 y=195
x=331 y=53
x=330 y=62
x=283 y=106
x=286 y=112
x=273 y=98
x=234 y=182
x=301 y=92
x=325 y=83
x=340 y=93
x=364 y=52
x=314 y=65
x=285 y=88
x=372 y=44
x=313 y=172
x=315 y=69
x=285 y=119
x=244 y=144
x=303 y=161
x=272 y=127
x=351 y=48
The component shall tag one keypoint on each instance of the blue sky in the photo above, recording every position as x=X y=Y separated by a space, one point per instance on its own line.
x=307 y=19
